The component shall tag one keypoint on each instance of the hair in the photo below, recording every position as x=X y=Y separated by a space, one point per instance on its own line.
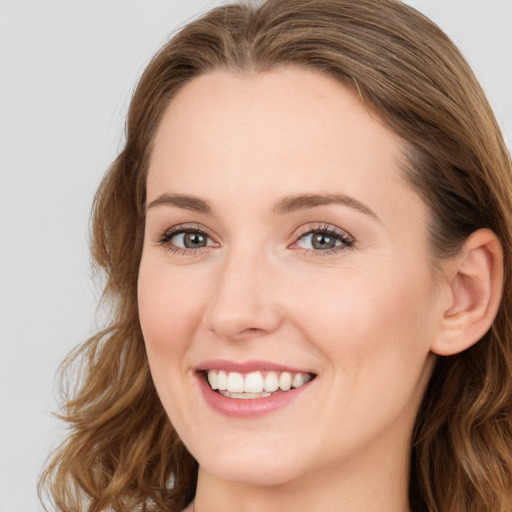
x=122 y=452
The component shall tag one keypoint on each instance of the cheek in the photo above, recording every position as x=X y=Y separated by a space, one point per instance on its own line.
x=371 y=326
x=170 y=312
x=170 y=308
x=376 y=340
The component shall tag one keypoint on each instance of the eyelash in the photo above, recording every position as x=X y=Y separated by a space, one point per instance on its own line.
x=346 y=240
x=165 y=239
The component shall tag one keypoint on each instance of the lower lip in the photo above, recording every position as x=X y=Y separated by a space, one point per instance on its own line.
x=247 y=408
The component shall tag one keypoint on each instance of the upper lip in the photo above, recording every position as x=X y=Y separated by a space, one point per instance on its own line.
x=248 y=366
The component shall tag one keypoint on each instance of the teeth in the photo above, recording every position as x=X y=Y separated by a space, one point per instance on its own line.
x=222 y=381
x=285 y=381
x=244 y=396
x=254 y=384
x=213 y=380
x=235 y=382
x=298 y=380
x=271 y=382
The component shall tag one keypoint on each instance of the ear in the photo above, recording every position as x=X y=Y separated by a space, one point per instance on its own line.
x=475 y=279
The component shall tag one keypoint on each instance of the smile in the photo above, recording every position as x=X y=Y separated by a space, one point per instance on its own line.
x=251 y=389
x=256 y=384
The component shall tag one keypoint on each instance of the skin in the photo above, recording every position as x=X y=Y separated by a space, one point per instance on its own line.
x=363 y=317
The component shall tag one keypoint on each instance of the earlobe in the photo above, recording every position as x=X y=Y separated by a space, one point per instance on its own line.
x=475 y=286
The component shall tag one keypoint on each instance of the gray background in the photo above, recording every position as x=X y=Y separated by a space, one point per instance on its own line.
x=67 y=69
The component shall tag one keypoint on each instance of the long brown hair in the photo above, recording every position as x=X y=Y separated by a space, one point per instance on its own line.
x=122 y=452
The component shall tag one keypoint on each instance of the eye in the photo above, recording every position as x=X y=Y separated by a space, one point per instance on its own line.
x=186 y=239
x=324 y=240
x=190 y=240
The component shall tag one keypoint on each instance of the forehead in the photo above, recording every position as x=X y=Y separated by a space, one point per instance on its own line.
x=288 y=131
x=289 y=111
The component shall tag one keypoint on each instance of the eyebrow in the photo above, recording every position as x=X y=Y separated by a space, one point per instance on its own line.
x=191 y=203
x=283 y=206
x=307 y=201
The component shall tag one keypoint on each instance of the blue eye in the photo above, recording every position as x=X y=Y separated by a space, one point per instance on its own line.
x=324 y=239
x=189 y=240
x=186 y=239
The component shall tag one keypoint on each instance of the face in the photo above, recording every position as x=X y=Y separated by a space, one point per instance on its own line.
x=283 y=244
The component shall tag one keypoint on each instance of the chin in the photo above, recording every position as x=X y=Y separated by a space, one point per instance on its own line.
x=251 y=473
x=258 y=466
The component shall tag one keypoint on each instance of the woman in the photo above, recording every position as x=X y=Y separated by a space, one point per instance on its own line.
x=307 y=243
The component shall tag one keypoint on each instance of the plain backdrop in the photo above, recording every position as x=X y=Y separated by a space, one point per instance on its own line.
x=67 y=70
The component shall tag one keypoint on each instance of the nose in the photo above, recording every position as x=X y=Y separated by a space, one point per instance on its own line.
x=243 y=304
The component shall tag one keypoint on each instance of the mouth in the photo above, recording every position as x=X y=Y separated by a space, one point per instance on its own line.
x=254 y=384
